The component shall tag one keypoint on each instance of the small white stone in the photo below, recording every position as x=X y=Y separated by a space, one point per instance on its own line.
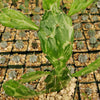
x=98 y=4
x=47 y=97
x=41 y=96
x=40 y=99
x=53 y=94
x=58 y=97
x=51 y=98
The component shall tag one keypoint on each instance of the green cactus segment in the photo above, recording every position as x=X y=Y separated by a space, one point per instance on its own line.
x=32 y=76
x=17 y=90
x=78 y=5
x=57 y=80
x=56 y=36
x=50 y=4
x=90 y=68
x=15 y=19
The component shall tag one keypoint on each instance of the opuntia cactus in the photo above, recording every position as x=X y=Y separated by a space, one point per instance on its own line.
x=14 y=88
x=57 y=46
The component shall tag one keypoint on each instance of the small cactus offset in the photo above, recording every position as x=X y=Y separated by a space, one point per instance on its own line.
x=78 y=34
x=80 y=45
x=91 y=33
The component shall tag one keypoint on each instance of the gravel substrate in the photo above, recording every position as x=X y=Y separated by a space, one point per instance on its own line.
x=65 y=94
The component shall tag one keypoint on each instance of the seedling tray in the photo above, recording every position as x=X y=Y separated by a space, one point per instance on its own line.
x=91 y=80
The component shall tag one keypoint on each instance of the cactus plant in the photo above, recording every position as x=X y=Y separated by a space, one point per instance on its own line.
x=77 y=26
x=97 y=56
x=6 y=35
x=37 y=22
x=80 y=45
x=74 y=17
x=93 y=10
x=16 y=58
x=82 y=58
x=77 y=34
x=34 y=45
x=57 y=46
x=2 y=60
x=87 y=25
x=26 y=3
x=72 y=70
x=35 y=34
x=47 y=68
x=95 y=18
x=99 y=25
x=84 y=17
x=78 y=5
x=93 y=40
x=5 y=5
x=33 y=58
x=14 y=88
x=3 y=44
x=91 y=33
x=97 y=44
x=19 y=44
x=26 y=10
x=30 y=70
x=37 y=9
x=88 y=91
x=31 y=87
x=12 y=74
x=22 y=34
x=14 y=2
x=21 y=7
x=36 y=17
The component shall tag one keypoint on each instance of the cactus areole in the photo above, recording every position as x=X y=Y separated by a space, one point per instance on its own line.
x=56 y=36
